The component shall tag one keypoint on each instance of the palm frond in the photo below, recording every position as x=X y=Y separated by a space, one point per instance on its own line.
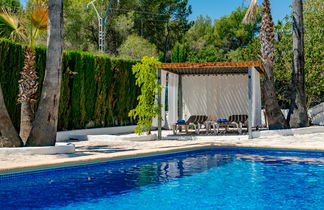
x=38 y=21
x=39 y=17
x=251 y=13
x=10 y=26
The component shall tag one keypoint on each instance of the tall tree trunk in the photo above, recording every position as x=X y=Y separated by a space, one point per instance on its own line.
x=276 y=119
x=297 y=115
x=27 y=93
x=44 y=128
x=26 y=120
x=8 y=134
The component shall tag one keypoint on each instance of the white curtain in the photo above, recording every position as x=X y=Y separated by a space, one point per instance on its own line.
x=217 y=96
x=173 y=99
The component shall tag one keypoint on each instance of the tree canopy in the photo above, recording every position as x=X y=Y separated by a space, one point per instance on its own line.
x=208 y=41
x=148 y=19
x=138 y=28
x=228 y=40
x=314 y=51
x=14 y=5
x=136 y=47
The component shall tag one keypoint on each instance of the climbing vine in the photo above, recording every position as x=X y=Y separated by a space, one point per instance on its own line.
x=147 y=107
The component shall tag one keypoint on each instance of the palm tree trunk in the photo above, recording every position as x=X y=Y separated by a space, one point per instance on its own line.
x=26 y=120
x=44 y=128
x=27 y=93
x=8 y=134
x=276 y=119
x=297 y=115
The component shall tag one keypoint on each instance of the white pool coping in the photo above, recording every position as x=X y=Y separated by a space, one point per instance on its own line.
x=82 y=133
x=59 y=148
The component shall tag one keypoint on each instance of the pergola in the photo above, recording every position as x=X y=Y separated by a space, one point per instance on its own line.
x=216 y=89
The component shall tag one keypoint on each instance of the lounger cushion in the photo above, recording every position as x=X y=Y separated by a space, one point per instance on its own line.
x=181 y=121
x=222 y=120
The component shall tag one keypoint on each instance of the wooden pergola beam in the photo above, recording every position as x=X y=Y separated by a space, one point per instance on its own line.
x=256 y=64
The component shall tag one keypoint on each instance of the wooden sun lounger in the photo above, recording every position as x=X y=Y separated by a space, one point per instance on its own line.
x=238 y=121
x=195 y=120
x=201 y=121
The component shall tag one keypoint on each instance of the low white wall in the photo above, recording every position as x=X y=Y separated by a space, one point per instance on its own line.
x=289 y=132
x=316 y=114
x=318 y=119
x=316 y=110
x=76 y=134
x=59 y=148
x=131 y=137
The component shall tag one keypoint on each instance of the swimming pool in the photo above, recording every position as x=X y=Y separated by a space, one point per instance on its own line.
x=220 y=178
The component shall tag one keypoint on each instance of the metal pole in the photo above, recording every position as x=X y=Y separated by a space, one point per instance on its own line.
x=101 y=36
x=101 y=24
x=250 y=102
x=159 y=103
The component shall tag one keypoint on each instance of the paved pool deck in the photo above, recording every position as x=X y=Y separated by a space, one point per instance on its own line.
x=99 y=150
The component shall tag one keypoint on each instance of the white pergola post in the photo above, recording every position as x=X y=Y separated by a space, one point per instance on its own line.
x=160 y=111
x=180 y=115
x=250 y=89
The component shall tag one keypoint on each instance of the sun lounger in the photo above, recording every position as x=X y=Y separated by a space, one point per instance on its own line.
x=209 y=124
x=201 y=121
x=185 y=124
x=238 y=121
x=195 y=120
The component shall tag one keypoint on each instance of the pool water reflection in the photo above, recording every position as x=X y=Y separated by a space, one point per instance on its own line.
x=205 y=179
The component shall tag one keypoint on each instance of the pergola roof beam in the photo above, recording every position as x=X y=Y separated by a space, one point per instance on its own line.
x=212 y=68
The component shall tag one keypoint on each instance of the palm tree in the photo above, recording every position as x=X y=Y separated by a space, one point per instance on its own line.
x=276 y=120
x=44 y=128
x=43 y=132
x=297 y=115
x=28 y=83
x=13 y=27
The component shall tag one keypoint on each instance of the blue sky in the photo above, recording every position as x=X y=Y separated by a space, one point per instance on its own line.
x=218 y=8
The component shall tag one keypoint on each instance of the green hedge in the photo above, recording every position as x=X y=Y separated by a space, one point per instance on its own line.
x=96 y=91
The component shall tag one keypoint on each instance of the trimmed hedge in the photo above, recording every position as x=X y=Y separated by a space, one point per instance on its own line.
x=96 y=91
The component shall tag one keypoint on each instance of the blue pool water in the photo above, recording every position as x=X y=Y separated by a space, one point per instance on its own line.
x=223 y=178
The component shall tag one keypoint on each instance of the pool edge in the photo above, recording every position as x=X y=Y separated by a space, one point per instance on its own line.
x=66 y=162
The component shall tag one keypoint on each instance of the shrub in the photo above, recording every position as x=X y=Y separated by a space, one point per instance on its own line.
x=96 y=91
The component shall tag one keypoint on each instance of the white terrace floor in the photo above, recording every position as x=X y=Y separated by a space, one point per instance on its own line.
x=99 y=150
